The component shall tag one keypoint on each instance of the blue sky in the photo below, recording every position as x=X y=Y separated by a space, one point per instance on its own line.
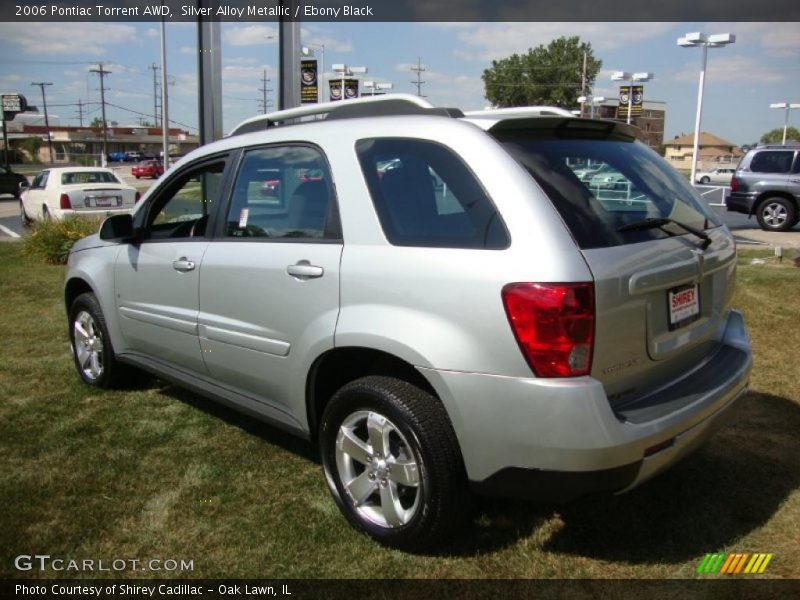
x=762 y=67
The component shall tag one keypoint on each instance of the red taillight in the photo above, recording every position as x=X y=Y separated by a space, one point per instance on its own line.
x=137 y=197
x=554 y=325
x=734 y=184
x=64 y=202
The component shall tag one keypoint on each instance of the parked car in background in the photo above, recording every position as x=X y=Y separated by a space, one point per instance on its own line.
x=132 y=157
x=148 y=168
x=9 y=181
x=85 y=191
x=494 y=330
x=767 y=184
x=116 y=157
x=721 y=175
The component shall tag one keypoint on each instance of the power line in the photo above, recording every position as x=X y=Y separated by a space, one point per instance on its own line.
x=136 y=112
x=42 y=85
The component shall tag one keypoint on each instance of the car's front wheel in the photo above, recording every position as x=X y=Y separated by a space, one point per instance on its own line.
x=91 y=345
x=392 y=462
x=704 y=180
x=776 y=214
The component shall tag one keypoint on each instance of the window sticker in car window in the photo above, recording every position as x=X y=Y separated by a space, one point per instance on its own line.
x=243 y=215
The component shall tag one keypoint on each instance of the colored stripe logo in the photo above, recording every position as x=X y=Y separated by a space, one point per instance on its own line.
x=735 y=563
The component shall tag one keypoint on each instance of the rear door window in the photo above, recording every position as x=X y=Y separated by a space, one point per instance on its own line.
x=772 y=161
x=600 y=185
x=424 y=195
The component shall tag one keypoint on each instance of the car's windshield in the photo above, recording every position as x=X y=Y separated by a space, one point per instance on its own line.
x=629 y=183
x=79 y=177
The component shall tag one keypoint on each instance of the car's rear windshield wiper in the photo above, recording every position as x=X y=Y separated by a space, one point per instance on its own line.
x=658 y=223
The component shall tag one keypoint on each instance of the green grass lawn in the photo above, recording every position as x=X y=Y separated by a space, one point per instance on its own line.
x=157 y=472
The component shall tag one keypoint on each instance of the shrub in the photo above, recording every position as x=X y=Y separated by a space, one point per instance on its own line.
x=52 y=239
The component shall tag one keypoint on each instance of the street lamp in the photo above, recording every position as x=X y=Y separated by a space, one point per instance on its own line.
x=321 y=80
x=692 y=40
x=373 y=86
x=787 y=106
x=592 y=101
x=347 y=71
x=630 y=78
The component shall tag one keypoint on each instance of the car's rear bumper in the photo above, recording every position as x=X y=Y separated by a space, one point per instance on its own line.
x=742 y=203
x=556 y=439
x=91 y=213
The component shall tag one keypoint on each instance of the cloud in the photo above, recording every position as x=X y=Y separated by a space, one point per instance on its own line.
x=249 y=35
x=249 y=73
x=490 y=41
x=188 y=50
x=731 y=68
x=152 y=32
x=778 y=39
x=82 y=38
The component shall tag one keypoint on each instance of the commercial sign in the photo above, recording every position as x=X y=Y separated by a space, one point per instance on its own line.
x=350 y=89
x=309 y=87
x=13 y=104
x=636 y=108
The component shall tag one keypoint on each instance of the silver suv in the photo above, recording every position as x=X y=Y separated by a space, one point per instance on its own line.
x=437 y=300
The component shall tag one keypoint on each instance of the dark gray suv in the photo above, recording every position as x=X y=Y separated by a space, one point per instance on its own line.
x=767 y=184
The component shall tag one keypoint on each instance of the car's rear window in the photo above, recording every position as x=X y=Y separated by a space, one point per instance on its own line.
x=600 y=185
x=81 y=177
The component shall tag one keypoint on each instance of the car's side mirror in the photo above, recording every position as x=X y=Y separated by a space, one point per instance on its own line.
x=118 y=228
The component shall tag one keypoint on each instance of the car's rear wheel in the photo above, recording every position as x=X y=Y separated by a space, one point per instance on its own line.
x=705 y=180
x=776 y=214
x=23 y=216
x=91 y=345
x=392 y=462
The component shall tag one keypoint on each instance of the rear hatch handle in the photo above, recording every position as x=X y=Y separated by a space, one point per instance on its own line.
x=660 y=222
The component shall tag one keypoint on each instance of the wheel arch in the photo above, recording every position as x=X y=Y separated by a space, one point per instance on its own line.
x=338 y=366
x=773 y=194
x=74 y=287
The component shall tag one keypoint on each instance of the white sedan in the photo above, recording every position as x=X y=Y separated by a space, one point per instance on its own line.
x=86 y=191
x=721 y=175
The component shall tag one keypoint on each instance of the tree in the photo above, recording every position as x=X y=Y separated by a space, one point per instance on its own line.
x=96 y=122
x=545 y=75
x=775 y=136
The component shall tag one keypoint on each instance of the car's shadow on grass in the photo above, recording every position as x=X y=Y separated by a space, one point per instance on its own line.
x=732 y=485
x=269 y=433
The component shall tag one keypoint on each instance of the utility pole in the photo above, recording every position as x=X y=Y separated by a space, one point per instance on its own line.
x=102 y=72
x=418 y=70
x=42 y=85
x=154 y=67
x=80 y=112
x=264 y=102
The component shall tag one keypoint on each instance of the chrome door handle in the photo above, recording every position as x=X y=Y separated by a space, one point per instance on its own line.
x=183 y=265
x=304 y=270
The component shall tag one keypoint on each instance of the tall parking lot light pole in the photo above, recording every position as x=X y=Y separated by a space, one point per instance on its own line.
x=787 y=106
x=692 y=40
x=630 y=78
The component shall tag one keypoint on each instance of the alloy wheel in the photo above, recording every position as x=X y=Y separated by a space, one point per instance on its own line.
x=88 y=345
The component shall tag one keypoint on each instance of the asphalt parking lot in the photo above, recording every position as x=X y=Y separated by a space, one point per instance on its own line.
x=745 y=230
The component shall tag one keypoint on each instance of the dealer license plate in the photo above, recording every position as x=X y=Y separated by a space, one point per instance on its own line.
x=684 y=305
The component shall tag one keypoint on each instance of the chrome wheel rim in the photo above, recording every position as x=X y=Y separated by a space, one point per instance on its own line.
x=378 y=469
x=774 y=214
x=88 y=345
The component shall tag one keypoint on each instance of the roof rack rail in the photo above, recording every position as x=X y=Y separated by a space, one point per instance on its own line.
x=377 y=106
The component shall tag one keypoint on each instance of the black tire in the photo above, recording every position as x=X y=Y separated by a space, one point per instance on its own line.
x=112 y=373
x=776 y=214
x=419 y=427
x=23 y=216
x=705 y=180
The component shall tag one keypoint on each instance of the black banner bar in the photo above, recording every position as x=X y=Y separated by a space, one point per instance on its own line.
x=398 y=10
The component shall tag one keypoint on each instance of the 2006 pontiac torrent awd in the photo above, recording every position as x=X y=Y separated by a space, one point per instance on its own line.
x=438 y=300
